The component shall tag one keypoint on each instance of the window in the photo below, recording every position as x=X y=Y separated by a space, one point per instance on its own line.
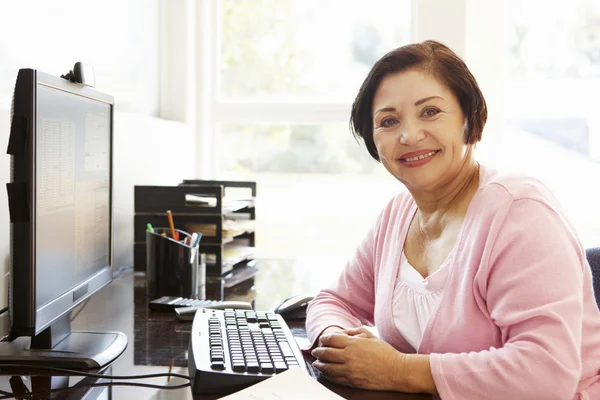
x=297 y=48
x=551 y=102
x=288 y=74
x=118 y=38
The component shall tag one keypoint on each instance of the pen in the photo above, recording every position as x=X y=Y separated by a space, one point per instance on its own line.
x=198 y=237
x=150 y=228
x=171 y=225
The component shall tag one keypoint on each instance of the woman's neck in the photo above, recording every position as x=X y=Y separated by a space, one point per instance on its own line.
x=454 y=196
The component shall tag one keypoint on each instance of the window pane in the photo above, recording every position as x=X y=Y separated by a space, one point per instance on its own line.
x=323 y=149
x=306 y=48
x=551 y=106
x=317 y=195
x=563 y=41
x=118 y=38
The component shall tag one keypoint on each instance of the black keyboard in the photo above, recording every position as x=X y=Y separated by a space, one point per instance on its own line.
x=232 y=349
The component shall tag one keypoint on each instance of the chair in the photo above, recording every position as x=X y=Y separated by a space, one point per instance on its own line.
x=593 y=256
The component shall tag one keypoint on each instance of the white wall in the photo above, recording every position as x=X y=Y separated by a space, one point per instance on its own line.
x=147 y=150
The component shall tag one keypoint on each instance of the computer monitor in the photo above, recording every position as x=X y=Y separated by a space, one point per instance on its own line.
x=60 y=204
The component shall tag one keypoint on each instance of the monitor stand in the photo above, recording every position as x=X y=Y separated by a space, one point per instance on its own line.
x=58 y=346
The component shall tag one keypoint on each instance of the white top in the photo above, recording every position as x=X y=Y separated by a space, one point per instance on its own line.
x=416 y=299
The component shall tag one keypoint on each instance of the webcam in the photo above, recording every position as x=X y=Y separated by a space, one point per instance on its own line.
x=81 y=73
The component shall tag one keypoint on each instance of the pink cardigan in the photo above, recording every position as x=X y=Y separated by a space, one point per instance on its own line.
x=518 y=319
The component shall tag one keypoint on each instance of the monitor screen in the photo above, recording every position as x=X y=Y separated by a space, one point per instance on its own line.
x=60 y=203
x=72 y=228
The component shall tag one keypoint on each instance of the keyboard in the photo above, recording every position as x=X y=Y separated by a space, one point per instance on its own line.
x=232 y=349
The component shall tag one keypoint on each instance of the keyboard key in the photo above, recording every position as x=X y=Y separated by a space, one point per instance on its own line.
x=239 y=367
x=289 y=360
x=286 y=350
x=253 y=367
x=280 y=366
x=266 y=368
x=217 y=365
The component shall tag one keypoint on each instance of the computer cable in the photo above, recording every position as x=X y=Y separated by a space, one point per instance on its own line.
x=3 y=310
x=41 y=394
x=72 y=372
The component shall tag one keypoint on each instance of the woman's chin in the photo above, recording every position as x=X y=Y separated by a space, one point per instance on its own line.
x=422 y=182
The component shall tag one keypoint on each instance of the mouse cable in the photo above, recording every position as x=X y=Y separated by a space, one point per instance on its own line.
x=89 y=374
x=38 y=394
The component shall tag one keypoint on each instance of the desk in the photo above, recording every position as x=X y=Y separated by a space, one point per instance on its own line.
x=157 y=338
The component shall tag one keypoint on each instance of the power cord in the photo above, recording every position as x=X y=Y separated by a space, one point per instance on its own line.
x=90 y=374
x=34 y=395
x=3 y=310
x=25 y=394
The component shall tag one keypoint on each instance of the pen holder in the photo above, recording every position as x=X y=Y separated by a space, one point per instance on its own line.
x=171 y=265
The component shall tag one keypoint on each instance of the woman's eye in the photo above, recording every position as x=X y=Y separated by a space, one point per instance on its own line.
x=386 y=123
x=430 y=112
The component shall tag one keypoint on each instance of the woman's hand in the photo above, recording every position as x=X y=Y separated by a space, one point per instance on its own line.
x=328 y=331
x=356 y=357
x=360 y=332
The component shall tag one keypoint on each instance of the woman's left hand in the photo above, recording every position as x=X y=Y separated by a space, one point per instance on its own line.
x=360 y=359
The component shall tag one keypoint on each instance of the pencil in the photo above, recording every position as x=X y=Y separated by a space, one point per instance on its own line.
x=170 y=369
x=171 y=225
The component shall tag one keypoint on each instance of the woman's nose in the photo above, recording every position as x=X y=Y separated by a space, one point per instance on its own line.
x=411 y=134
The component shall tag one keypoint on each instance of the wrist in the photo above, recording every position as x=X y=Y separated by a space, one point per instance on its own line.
x=413 y=373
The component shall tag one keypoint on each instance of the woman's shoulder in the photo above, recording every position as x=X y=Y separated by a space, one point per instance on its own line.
x=401 y=203
x=398 y=209
x=495 y=184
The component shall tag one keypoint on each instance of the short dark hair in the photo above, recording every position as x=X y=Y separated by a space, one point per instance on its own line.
x=435 y=58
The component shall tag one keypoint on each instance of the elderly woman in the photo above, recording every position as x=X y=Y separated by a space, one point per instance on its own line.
x=476 y=282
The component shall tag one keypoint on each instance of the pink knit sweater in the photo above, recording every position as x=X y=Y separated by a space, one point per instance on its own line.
x=518 y=318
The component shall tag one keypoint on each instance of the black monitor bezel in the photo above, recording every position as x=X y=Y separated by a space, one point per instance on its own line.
x=25 y=318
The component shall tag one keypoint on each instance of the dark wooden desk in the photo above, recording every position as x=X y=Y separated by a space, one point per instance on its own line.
x=157 y=338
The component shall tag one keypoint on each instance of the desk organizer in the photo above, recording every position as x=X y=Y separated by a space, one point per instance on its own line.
x=226 y=221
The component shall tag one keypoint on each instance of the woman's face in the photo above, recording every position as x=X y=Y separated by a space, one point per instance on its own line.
x=419 y=130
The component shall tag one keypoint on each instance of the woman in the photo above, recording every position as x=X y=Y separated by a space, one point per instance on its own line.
x=476 y=282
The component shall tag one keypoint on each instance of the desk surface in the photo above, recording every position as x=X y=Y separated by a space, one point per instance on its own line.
x=157 y=338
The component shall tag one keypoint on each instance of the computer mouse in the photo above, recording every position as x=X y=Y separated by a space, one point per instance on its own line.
x=294 y=308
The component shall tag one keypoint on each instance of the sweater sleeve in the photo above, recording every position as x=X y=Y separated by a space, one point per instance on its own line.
x=533 y=293
x=350 y=301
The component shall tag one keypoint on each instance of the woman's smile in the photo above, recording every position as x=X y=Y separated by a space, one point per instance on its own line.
x=417 y=158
